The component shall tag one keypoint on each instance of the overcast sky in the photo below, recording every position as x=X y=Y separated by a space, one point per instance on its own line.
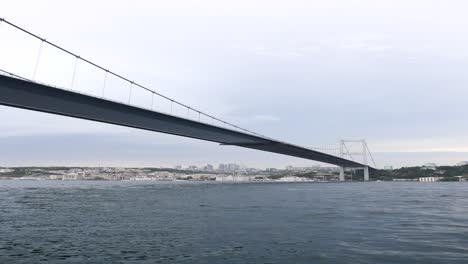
x=308 y=72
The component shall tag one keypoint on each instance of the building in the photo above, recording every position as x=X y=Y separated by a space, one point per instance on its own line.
x=55 y=177
x=3 y=170
x=293 y=179
x=222 y=167
x=234 y=178
x=233 y=167
x=430 y=179
x=228 y=167
x=208 y=167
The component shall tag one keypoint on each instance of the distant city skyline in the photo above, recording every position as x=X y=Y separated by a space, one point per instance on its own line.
x=306 y=72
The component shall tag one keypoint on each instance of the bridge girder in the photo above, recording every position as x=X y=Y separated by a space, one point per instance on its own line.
x=39 y=97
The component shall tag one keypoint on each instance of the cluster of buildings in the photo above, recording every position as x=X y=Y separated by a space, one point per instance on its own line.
x=125 y=174
x=224 y=172
x=229 y=172
x=229 y=167
x=222 y=167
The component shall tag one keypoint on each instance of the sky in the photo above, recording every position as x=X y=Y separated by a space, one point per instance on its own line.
x=307 y=72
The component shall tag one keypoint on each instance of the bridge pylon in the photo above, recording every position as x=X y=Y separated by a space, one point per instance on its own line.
x=363 y=152
x=342 y=174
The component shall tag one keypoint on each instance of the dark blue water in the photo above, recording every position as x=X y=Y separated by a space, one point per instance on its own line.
x=177 y=222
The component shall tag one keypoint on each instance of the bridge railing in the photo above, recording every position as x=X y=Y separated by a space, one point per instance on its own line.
x=26 y=55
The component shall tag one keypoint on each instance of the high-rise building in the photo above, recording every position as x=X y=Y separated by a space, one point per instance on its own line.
x=228 y=167
x=233 y=167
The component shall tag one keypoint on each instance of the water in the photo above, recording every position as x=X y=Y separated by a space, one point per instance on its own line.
x=186 y=222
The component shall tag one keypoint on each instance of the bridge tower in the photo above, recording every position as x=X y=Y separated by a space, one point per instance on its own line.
x=360 y=149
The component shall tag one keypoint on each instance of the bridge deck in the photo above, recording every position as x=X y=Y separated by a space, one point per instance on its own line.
x=38 y=97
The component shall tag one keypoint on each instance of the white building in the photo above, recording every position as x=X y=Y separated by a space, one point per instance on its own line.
x=5 y=170
x=55 y=177
x=234 y=178
x=293 y=179
x=430 y=179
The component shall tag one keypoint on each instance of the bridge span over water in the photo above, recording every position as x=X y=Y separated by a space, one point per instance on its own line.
x=26 y=93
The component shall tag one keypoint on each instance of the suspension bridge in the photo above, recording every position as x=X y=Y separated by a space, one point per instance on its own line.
x=140 y=107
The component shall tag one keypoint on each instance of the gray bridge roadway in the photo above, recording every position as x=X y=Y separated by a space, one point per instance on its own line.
x=30 y=95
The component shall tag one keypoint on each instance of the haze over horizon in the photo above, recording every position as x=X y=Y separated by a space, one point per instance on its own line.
x=310 y=73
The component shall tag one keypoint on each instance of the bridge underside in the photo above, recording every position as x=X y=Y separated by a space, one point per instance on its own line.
x=38 y=97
